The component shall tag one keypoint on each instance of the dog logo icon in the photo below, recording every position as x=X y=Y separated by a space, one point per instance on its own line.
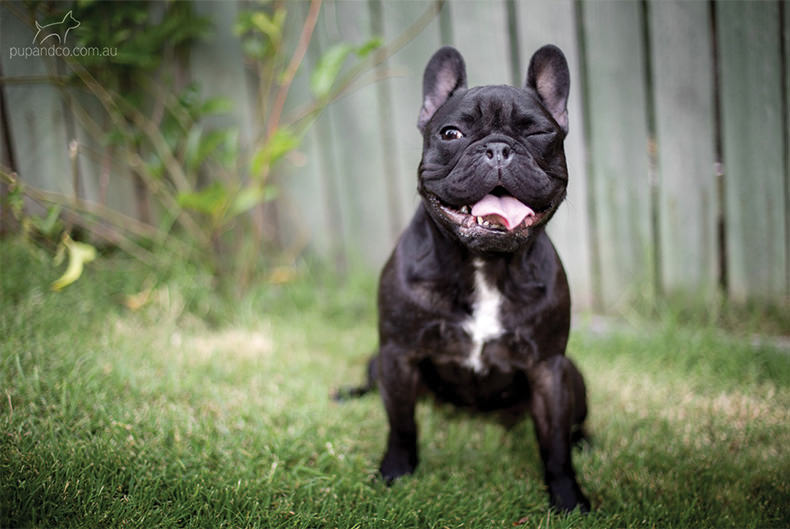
x=55 y=31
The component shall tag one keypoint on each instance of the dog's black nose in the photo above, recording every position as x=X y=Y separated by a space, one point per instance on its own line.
x=498 y=154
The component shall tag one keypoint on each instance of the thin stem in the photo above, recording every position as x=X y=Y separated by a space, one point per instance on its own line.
x=119 y=219
x=385 y=52
x=293 y=66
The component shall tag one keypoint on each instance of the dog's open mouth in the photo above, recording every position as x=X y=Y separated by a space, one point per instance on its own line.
x=497 y=213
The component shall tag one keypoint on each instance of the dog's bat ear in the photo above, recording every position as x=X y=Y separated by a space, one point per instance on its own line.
x=548 y=75
x=444 y=74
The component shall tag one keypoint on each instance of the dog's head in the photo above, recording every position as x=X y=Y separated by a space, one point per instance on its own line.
x=493 y=166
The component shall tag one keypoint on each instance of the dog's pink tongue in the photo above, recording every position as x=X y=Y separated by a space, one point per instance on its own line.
x=509 y=209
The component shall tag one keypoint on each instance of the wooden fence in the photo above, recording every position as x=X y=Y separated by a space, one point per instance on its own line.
x=677 y=153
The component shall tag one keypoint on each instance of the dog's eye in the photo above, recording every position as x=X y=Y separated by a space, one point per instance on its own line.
x=451 y=133
x=542 y=133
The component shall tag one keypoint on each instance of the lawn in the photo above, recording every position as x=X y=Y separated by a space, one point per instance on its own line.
x=195 y=411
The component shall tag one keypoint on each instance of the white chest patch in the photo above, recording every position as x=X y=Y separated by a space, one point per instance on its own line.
x=483 y=325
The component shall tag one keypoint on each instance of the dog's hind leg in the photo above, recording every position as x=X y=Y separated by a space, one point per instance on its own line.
x=398 y=386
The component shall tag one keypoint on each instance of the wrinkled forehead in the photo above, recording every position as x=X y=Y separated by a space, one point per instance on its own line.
x=491 y=105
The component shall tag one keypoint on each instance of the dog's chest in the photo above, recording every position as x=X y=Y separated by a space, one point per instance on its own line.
x=484 y=324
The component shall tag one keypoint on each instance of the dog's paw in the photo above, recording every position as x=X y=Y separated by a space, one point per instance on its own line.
x=566 y=496
x=395 y=465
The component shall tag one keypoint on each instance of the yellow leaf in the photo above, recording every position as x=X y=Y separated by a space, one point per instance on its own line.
x=282 y=274
x=137 y=301
x=79 y=254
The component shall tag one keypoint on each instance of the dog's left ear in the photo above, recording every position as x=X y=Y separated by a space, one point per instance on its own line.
x=548 y=75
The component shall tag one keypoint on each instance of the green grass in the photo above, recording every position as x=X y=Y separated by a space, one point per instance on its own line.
x=201 y=412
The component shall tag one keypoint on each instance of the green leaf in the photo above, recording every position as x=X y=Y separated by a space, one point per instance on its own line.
x=270 y=193
x=16 y=200
x=155 y=166
x=210 y=200
x=200 y=146
x=255 y=48
x=246 y=199
x=211 y=142
x=229 y=153
x=243 y=24
x=79 y=254
x=269 y=26
x=280 y=143
x=371 y=45
x=191 y=147
x=189 y=97
x=216 y=105
x=328 y=68
x=49 y=225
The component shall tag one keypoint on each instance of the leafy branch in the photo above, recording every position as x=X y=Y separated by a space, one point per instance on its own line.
x=202 y=180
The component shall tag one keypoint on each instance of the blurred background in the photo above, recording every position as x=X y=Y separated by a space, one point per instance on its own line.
x=249 y=136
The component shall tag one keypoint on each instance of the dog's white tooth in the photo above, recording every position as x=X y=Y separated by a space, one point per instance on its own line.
x=465 y=209
x=480 y=220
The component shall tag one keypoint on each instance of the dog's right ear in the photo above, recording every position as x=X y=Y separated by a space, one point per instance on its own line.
x=444 y=74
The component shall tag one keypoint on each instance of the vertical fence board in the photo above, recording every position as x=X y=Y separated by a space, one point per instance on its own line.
x=387 y=137
x=217 y=64
x=303 y=212
x=786 y=50
x=618 y=147
x=339 y=210
x=406 y=68
x=552 y=22
x=683 y=87
x=89 y=146
x=5 y=155
x=104 y=173
x=358 y=152
x=480 y=34
x=35 y=110
x=753 y=147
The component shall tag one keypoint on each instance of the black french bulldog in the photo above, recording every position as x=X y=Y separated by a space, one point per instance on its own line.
x=474 y=305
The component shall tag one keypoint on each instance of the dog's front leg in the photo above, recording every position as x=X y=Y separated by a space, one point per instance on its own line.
x=398 y=388
x=556 y=404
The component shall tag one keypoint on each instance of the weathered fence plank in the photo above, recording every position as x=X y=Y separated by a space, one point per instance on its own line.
x=786 y=51
x=405 y=87
x=553 y=22
x=104 y=172
x=683 y=86
x=303 y=207
x=753 y=140
x=355 y=139
x=89 y=148
x=620 y=191
x=218 y=65
x=334 y=184
x=480 y=34
x=35 y=107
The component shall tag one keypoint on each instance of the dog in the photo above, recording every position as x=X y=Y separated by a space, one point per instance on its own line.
x=56 y=31
x=473 y=303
